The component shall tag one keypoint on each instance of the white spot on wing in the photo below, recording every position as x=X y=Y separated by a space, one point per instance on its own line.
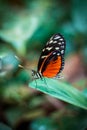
x=47 y=43
x=49 y=48
x=58 y=54
x=57 y=48
x=62 y=51
x=61 y=39
x=57 y=37
x=54 y=41
x=62 y=42
x=59 y=43
x=54 y=53
x=50 y=41
x=43 y=49
x=51 y=38
x=43 y=57
x=62 y=46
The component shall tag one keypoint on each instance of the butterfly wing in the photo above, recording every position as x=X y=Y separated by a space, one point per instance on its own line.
x=57 y=41
x=52 y=65
x=51 y=61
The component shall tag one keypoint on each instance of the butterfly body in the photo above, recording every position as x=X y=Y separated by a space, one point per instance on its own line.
x=51 y=61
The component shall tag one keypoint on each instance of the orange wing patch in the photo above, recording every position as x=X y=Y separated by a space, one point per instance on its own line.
x=53 y=68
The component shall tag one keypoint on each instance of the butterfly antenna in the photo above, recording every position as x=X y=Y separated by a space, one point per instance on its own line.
x=22 y=67
x=17 y=58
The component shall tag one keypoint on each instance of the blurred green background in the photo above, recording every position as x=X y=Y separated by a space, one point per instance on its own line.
x=25 y=27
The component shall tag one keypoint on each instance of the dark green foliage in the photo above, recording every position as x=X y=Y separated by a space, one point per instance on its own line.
x=4 y=127
x=25 y=27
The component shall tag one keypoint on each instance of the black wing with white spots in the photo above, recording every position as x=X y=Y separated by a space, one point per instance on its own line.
x=56 y=43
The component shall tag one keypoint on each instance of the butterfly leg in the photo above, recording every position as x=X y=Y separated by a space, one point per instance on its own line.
x=34 y=79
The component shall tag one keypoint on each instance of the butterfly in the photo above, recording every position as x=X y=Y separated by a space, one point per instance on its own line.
x=51 y=61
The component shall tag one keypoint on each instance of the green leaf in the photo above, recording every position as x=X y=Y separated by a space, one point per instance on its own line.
x=60 y=90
